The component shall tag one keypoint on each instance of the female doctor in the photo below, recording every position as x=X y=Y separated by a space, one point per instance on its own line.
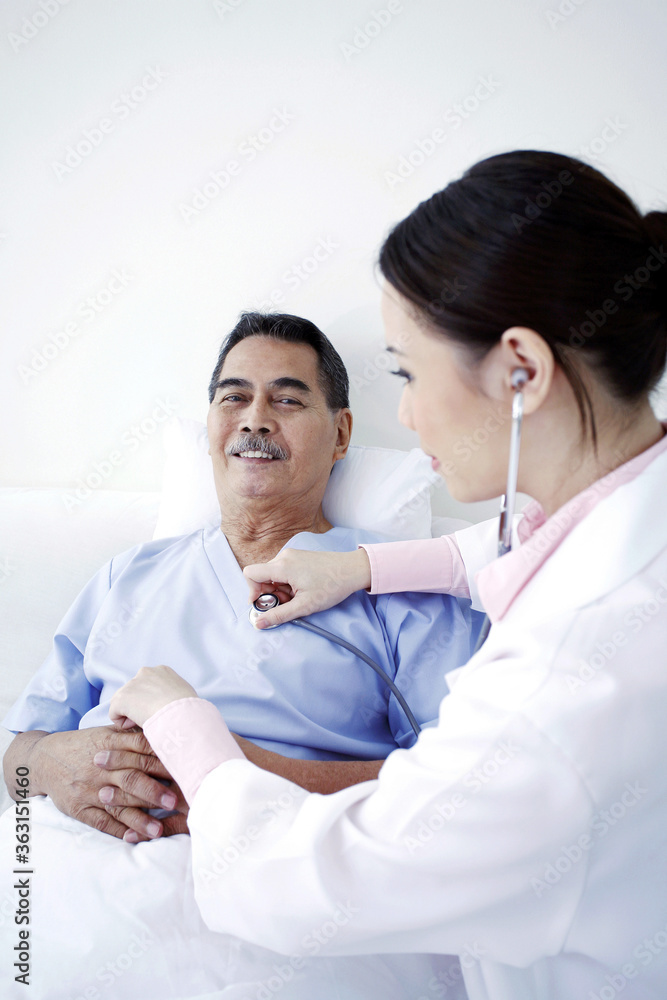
x=527 y=832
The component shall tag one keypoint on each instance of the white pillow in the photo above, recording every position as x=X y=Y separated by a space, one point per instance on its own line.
x=381 y=489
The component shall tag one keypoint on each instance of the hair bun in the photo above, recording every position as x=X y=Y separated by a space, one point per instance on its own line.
x=656 y=225
x=656 y=230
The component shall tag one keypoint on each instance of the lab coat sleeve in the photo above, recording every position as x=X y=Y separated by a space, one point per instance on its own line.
x=446 y=851
x=444 y=565
x=191 y=738
x=425 y=565
x=478 y=546
x=59 y=693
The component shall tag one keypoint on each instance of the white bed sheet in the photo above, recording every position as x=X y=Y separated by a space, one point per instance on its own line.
x=113 y=920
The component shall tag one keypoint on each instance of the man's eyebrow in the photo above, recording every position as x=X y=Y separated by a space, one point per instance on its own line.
x=285 y=382
x=289 y=383
x=238 y=383
x=395 y=350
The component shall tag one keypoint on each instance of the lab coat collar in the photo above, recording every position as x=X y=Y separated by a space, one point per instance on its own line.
x=598 y=541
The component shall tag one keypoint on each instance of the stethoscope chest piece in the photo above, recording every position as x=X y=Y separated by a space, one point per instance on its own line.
x=265 y=602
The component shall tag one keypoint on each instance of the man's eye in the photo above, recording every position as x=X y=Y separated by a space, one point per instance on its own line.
x=232 y=398
x=287 y=399
x=402 y=374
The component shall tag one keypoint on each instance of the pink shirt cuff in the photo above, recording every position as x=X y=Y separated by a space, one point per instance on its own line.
x=191 y=738
x=431 y=565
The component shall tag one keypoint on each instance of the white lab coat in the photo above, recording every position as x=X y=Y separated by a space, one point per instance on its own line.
x=526 y=833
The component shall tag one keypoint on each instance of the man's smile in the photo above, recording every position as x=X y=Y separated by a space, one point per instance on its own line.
x=254 y=448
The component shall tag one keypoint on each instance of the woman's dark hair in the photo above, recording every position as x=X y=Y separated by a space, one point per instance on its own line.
x=333 y=378
x=545 y=241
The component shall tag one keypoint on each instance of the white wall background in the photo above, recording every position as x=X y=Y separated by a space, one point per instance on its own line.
x=72 y=78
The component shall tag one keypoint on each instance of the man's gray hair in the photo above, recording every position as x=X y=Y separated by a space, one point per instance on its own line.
x=333 y=379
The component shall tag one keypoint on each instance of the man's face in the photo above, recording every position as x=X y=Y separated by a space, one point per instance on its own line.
x=269 y=400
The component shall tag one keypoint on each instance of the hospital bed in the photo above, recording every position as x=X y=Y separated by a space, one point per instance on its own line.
x=52 y=540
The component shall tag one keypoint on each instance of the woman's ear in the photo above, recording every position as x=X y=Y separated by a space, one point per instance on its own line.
x=521 y=347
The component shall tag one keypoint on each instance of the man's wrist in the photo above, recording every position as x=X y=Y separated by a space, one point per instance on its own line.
x=21 y=753
x=35 y=759
x=361 y=569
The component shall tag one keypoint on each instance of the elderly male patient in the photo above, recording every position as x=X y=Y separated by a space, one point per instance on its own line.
x=303 y=707
x=278 y=421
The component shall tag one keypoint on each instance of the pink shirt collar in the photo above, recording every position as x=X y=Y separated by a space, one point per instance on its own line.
x=501 y=581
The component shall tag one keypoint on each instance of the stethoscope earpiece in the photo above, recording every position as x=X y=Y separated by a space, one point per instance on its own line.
x=519 y=377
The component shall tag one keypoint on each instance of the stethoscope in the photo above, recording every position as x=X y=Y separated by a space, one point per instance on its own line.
x=266 y=602
x=508 y=501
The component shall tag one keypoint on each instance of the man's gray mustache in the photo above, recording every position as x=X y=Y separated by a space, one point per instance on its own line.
x=257 y=444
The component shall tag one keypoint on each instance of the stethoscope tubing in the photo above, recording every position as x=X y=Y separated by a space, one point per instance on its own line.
x=508 y=500
x=371 y=663
x=269 y=601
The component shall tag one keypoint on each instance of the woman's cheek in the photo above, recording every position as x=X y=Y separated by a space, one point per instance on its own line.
x=404 y=413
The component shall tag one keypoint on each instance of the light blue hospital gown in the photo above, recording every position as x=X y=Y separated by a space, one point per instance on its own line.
x=128 y=913
x=184 y=602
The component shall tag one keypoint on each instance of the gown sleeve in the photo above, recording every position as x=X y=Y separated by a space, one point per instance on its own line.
x=429 y=636
x=59 y=694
